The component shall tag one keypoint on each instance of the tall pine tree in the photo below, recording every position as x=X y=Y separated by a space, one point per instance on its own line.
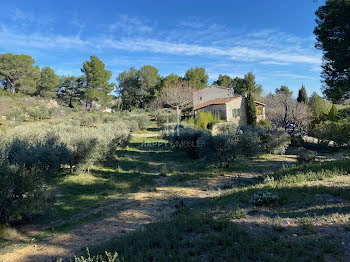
x=97 y=86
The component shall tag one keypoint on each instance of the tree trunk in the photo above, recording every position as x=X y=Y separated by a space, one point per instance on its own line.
x=178 y=114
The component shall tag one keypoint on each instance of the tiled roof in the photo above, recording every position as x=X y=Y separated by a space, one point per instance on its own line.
x=216 y=101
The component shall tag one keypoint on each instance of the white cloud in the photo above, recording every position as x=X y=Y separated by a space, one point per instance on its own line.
x=25 y=18
x=238 y=53
x=129 y=25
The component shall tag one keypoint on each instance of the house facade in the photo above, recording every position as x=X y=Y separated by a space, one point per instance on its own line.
x=210 y=93
x=221 y=102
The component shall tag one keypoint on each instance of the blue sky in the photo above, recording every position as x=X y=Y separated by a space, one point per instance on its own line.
x=272 y=38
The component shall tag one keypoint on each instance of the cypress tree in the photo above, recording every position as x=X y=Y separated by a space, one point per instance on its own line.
x=251 y=110
x=302 y=95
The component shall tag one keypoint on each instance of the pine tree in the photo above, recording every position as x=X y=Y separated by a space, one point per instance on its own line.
x=97 y=86
x=302 y=95
x=333 y=113
x=251 y=110
x=49 y=83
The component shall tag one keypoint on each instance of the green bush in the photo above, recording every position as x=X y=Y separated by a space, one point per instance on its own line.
x=205 y=118
x=134 y=126
x=47 y=155
x=305 y=156
x=39 y=112
x=141 y=119
x=9 y=94
x=263 y=123
x=227 y=127
x=247 y=141
x=337 y=131
x=29 y=152
x=16 y=114
x=275 y=141
x=23 y=192
x=165 y=116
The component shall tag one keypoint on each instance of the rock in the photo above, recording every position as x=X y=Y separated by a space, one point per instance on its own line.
x=295 y=235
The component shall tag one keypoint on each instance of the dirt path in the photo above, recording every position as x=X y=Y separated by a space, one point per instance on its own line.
x=136 y=211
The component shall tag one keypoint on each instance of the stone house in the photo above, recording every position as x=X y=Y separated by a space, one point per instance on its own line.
x=221 y=101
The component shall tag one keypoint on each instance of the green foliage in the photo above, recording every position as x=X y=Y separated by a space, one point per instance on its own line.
x=165 y=116
x=310 y=172
x=318 y=107
x=197 y=77
x=138 y=87
x=142 y=119
x=47 y=154
x=227 y=146
x=333 y=114
x=149 y=79
x=49 y=83
x=70 y=89
x=223 y=80
x=97 y=78
x=264 y=198
x=16 y=114
x=337 y=131
x=247 y=84
x=18 y=74
x=264 y=123
x=332 y=35
x=251 y=110
x=302 y=95
x=23 y=192
x=39 y=112
x=8 y=94
x=227 y=127
x=205 y=120
x=284 y=89
x=171 y=79
x=275 y=141
x=305 y=156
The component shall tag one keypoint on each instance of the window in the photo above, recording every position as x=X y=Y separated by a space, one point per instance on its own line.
x=236 y=112
x=200 y=98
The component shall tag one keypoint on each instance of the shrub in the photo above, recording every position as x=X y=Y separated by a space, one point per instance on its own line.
x=263 y=123
x=338 y=131
x=264 y=198
x=228 y=128
x=204 y=118
x=48 y=154
x=134 y=126
x=88 y=119
x=141 y=119
x=250 y=143
x=39 y=112
x=305 y=156
x=183 y=138
x=23 y=192
x=275 y=141
x=90 y=145
x=165 y=116
x=16 y=114
x=222 y=148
